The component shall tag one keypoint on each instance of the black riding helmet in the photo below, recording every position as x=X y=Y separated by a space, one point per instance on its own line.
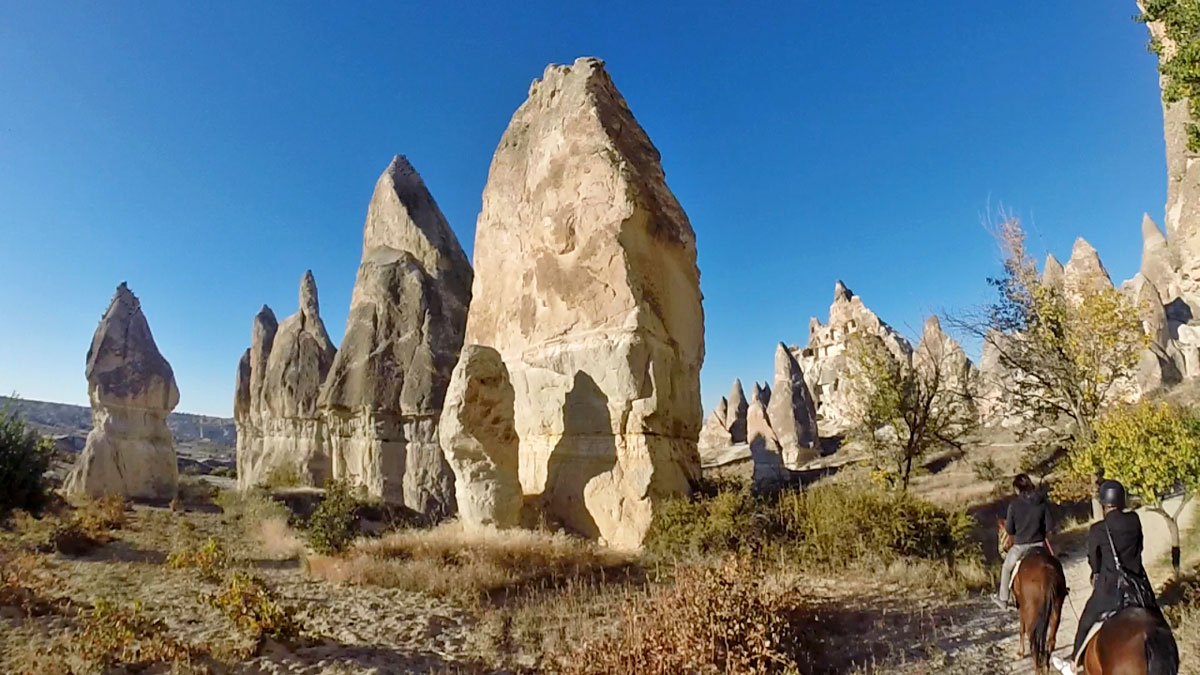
x=1112 y=494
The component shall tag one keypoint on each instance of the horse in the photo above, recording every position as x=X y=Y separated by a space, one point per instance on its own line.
x=1040 y=587
x=1135 y=641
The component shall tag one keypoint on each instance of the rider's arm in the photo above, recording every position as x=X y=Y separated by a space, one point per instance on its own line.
x=1048 y=520
x=1094 y=551
x=1010 y=526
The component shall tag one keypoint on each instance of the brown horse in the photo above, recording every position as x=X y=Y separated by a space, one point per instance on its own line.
x=1040 y=588
x=1134 y=642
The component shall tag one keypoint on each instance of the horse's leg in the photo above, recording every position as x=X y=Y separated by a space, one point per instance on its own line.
x=1023 y=606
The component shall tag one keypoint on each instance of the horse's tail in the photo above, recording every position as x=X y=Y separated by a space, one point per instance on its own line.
x=1162 y=654
x=1039 y=640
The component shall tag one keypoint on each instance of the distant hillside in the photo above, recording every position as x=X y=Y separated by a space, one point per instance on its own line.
x=59 y=419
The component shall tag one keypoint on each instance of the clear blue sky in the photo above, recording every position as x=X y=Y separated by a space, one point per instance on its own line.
x=209 y=153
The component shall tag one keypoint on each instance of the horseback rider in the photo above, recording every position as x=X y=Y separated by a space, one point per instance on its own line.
x=1116 y=582
x=1028 y=524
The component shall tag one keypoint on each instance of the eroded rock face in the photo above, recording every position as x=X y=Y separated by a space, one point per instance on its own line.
x=386 y=386
x=130 y=450
x=586 y=283
x=823 y=360
x=479 y=439
x=792 y=412
x=1052 y=272
x=280 y=430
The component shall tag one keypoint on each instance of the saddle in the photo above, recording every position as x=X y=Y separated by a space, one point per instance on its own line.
x=1012 y=580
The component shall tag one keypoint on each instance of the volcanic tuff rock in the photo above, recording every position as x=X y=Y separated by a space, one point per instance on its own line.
x=129 y=451
x=279 y=417
x=735 y=416
x=823 y=360
x=791 y=411
x=1158 y=262
x=386 y=386
x=480 y=441
x=586 y=283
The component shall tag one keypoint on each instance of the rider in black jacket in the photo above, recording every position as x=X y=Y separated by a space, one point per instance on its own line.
x=1125 y=529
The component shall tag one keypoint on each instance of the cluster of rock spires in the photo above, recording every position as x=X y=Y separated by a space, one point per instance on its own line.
x=578 y=392
x=366 y=413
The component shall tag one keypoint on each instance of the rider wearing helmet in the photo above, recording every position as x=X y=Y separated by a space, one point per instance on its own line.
x=1027 y=523
x=1125 y=530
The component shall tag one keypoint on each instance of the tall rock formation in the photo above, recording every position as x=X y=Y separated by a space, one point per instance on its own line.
x=792 y=412
x=130 y=450
x=1158 y=261
x=735 y=416
x=480 y=440
x=247 y=404
x=1183 y=188
x=823 y=360
x=386 y=386
x=1052 y=272
x=280 y=428
x=586 y=283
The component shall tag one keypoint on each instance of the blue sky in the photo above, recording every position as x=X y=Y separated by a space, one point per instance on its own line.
x=209 y=153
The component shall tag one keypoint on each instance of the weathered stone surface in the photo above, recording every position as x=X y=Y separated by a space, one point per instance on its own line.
x=1052 y=272
x=130 y=450
x=722 y=410
x=408 y=312
x=1151 y=311
x=823 y=360
x=1084 y=273
x=479 y=440
x=791 y=411
x=586 y=283
x=939 y=351
x=285 y=433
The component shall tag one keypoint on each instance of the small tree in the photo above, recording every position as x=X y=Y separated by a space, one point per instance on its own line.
x=1154 y=450
x=902 y=410
x=1063 y=352
x=24 y=459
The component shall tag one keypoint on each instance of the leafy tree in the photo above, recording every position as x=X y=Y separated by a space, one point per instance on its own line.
x=1065 y=352
x=904 y=409
x=1154 y=450
x=1178 y=54
x=24 y=459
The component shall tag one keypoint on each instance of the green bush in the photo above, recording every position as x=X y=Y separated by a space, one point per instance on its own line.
x=24 y=459
x=333 y=525
x=829 y=525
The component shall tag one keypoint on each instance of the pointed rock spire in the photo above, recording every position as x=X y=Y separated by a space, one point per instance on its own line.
x=791 y=411
x=1157 y=264
x=1084 y=273
x=129 y=451
x=403 y=334
x=735 y=418
x=1052 y=272
x=841 y=293
x=586 y=280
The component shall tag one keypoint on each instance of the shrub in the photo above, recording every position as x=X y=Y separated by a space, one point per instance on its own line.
x=256 y=610
x=711 y=620
x=830 y=525
x=209 y=559
x=112 y=636
x=331 y=527
x=98 y=516
x=283 y=476
x=24 y=459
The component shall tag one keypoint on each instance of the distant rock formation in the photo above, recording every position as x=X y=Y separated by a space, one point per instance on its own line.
x=586 y=283
x=280 y=428
x=480 y=440
x=129 y=451
x=386 y=387
x=1084 y=273
x=1052 y=272
x=823 y=360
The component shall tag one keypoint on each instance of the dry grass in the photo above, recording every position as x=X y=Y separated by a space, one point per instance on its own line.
x=471 y=566
x=278 y=540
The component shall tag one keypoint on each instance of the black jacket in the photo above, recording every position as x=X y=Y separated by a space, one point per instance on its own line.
x=1126 y=529
x=1029 y=520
